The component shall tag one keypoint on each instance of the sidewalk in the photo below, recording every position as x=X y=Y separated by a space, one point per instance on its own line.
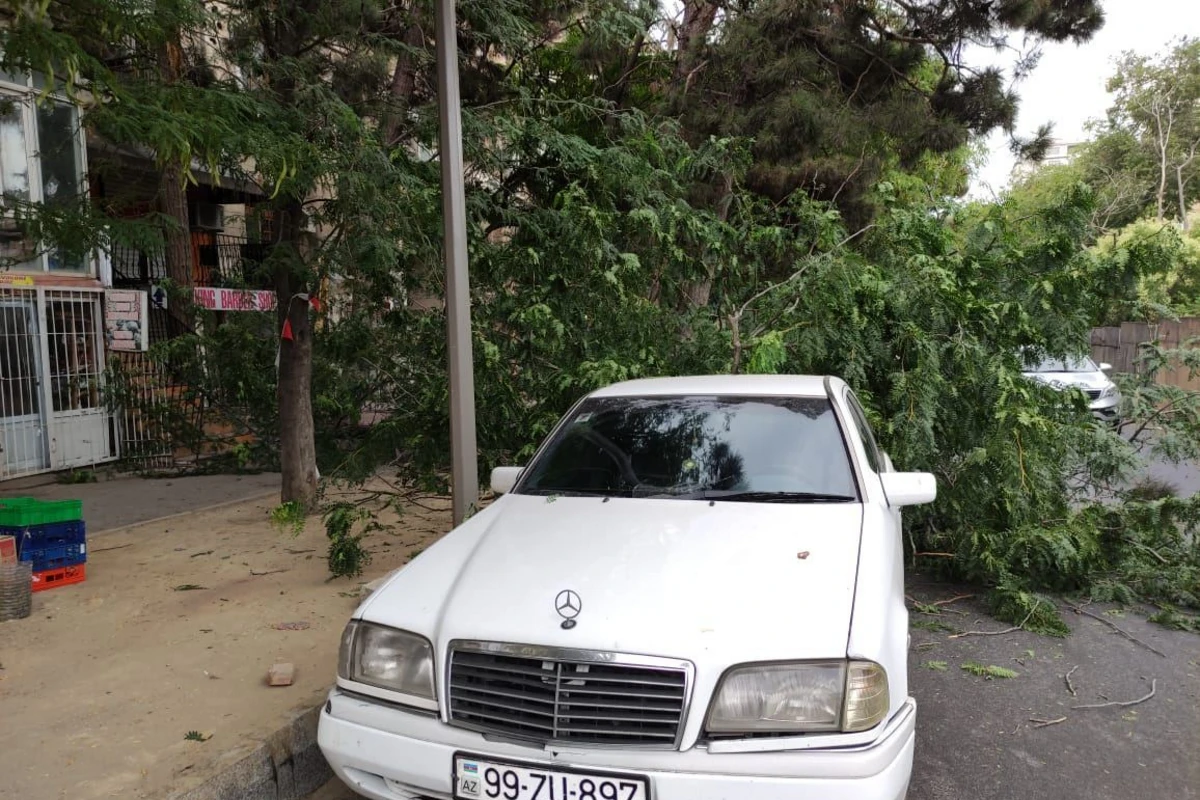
x=148 y=680
x=109 y=504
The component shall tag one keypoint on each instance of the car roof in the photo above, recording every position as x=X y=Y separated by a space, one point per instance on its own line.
x=762 y=385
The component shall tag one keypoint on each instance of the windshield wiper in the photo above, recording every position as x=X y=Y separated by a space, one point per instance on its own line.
x=776 y=497
x=569 y=493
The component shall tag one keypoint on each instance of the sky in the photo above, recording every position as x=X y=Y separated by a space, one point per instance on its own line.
x=1067 y=88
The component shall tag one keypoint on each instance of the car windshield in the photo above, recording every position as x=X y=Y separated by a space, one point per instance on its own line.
x=1075 y=364
x=771 y=449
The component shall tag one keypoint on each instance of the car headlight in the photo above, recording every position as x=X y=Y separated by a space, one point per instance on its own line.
x=800 y=698
x=1109 y=391
x=387 y=658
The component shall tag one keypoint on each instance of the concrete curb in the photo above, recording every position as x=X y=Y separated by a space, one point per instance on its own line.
x=288 y=765
x=167 y=517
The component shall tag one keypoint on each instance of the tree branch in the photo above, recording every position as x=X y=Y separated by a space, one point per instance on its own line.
x=1125 y=703
x=1113 y=625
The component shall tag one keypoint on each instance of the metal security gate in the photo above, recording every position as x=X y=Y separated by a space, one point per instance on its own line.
x=22 y=424
x=52 y=409
x=80 y=430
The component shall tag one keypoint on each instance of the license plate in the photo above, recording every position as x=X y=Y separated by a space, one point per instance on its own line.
x=481 y=779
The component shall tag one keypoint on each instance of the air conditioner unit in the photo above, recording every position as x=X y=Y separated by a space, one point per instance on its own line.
x=206 y=216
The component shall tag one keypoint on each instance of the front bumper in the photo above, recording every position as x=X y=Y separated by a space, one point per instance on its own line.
x=1106 y=408
x=387 y=753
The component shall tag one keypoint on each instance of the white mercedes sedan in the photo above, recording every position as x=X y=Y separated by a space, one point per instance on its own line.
x=693 y=591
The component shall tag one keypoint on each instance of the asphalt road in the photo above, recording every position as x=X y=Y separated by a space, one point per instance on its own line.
x=982 y=739
x=1184 y=477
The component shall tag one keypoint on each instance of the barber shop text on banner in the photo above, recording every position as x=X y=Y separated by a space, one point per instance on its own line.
x=233 y=299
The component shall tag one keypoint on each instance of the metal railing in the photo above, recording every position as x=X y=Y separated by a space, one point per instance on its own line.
x=167 y=421
x=218 y=259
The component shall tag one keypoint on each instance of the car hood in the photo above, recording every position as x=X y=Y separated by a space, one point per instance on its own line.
x=726 y=582
x=1080 y=380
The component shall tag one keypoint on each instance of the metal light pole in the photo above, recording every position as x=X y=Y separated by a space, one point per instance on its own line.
x=463 y=450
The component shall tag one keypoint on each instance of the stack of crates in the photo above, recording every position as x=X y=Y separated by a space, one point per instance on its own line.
x=51 y=535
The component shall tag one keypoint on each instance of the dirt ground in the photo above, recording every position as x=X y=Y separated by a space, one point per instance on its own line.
x=173 y=632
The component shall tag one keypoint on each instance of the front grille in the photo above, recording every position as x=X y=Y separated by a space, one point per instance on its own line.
x=1094 y=394
x=564 y=700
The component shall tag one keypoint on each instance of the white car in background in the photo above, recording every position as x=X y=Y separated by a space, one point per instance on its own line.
x=694 y=591
x=1081 y=372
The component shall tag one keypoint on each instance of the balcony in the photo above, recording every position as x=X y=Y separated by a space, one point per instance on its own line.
x=218 y=259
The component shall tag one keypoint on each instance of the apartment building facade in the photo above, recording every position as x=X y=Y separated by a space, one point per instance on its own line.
x=64 y=319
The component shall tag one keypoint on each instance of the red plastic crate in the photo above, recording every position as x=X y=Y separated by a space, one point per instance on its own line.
x=63 y=576
x=8 y=549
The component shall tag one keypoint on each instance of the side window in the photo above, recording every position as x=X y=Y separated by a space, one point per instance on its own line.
x=874 y=458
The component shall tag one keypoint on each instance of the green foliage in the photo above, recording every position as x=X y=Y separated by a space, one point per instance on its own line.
x=936 y=666
x=1170 y=618
x=1167 y=277
x=76 y=476
x=1155 y=102
x=289 y=516
x=772 y=197
x=347 y=557
x=1033 y=612
x=988 y=672
x=931 y=625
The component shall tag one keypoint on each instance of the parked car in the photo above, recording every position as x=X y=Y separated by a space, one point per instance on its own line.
x=1081 y=372
x=694 y=591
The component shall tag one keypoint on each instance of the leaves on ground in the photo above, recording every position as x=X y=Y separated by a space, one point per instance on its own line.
x=931 y=625
x=936 y=666
x=196 y=736
x=988 y=672
x=1174 y=620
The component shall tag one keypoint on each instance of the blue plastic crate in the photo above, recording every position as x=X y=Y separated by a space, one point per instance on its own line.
x=39 y=537
x=55 y=557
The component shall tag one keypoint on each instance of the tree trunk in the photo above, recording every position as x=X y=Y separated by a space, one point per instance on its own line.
x=698 y=19
x=173 y=205
x=698 y=293
x=297 y=441
x=616 y=92
x=699 y=16
x=1161 y=196
x=172 y=198
x=404 y=83
x=1179 y=185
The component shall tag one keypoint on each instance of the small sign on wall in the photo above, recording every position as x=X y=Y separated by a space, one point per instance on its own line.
x=126 y=320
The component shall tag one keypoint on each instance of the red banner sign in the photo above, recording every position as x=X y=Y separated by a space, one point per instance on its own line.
x=233 y=299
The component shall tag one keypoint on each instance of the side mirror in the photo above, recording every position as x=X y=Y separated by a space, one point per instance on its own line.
x=1106 y=367
x=504 y=478
x=909 y=488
